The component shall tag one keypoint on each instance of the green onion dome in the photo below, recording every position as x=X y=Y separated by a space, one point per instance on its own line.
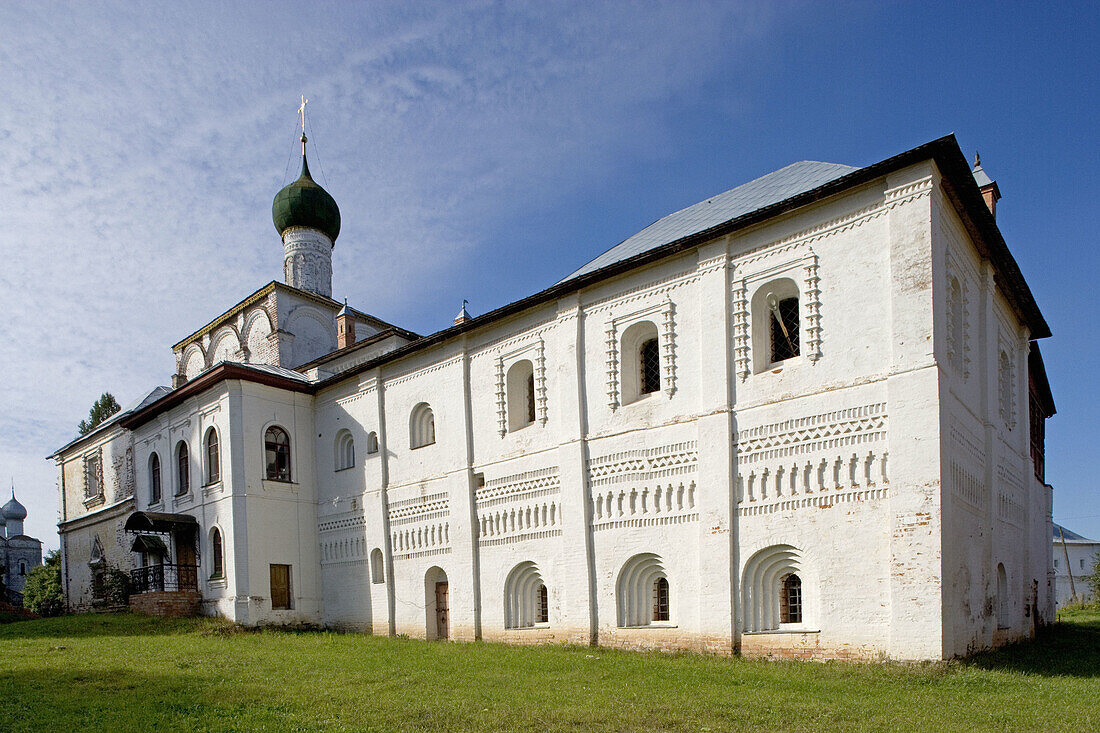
x=303 y=203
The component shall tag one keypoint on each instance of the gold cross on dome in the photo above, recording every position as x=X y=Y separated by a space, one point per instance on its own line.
x=302 y=112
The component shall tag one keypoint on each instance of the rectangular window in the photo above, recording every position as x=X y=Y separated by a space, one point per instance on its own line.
x=93 y=477
x=280 y=586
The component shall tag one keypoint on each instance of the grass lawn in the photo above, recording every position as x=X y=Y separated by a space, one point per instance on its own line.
x=132 y=673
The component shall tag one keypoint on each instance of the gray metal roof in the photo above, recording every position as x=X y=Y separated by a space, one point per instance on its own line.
x=1070 y=536
x=770 y=189
x=981 y=177
x=134 y=406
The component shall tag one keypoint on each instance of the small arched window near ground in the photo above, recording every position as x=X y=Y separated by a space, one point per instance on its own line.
x=218 y=552
x=372 y=443
x=344 y=448
x=642 y=592
x=183 y=469
x=790 y=600
x=776 y=323
x=542 y=605
x=767 y=588
x=1003 y=604
x=213 y=457
x=641 y=361
x=376 y=569
x=154 y=479
x=277 y=454
x=660 y=599
x=521 y=394
x=421 y=426
x=523 y=599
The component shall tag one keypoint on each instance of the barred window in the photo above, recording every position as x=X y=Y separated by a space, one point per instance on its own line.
x=649 y=359
x=784 y=327
x=660 y=600
x=542 y=606
x=93 y=476
x=790 y=600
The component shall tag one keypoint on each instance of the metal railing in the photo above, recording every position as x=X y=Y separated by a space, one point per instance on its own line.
x=165 y=577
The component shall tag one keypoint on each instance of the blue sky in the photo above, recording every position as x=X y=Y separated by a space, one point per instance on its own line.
x=483 y=151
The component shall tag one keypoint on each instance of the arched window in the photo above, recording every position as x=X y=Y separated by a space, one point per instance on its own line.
x=649 y=362
x=776 y=323
x=641 y=361
x=542 y=605
x=183 y=469
x=376 y=570
x=218 y=553
x=790 y=600
x=421 y=426
x=524 y=597
x=345 y=450
x=521 y=394
x=22 y=567
x=771 y=581
x=154 y=479
x=642 y=592
x=213 y=457
x=277 y=454
x=372 y=443
x=660 y=599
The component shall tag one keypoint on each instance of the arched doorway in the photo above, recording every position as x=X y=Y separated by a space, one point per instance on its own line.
x=437 y=604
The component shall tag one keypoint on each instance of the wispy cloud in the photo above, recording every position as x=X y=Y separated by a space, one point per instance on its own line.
x=142 y=144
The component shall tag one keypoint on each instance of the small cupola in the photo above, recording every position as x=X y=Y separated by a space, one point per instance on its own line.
x=987 y=186
x=304 y=203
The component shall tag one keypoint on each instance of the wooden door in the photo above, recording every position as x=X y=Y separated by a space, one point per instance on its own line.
x=280 y=586
x=442 y=616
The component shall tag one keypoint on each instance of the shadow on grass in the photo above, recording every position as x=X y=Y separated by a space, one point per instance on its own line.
x=1062 y=650
x=107 y=624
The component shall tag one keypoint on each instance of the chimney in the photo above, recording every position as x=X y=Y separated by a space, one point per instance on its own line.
x=987 y=186
x=345 y=327
x=462 y=316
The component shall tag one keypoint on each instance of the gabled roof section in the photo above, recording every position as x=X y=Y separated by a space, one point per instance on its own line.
x=769 y=189
x=1070 y=536
x=266 y=290
x=135 y=406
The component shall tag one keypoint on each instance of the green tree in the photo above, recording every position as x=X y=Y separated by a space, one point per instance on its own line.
x=42 y=593
x=103 y=408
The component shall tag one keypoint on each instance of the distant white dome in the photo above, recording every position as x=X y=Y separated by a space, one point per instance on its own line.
x=14 y=510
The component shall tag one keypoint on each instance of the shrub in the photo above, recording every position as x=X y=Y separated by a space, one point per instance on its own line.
x=42 y=593
x=116 y=587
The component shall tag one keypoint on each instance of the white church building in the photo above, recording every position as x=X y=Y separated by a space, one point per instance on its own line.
x=801 y=418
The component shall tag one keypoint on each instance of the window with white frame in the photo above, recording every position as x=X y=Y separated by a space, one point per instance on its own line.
x=183 y=469
x=421 y=426
x=641 y=361
x=521 y=394
x=93 y=476
x=154 y=479
x=372 y=443
x=277 y=454
x=642 y=592
x=776 y=321
x=524 y=597
x=213 y=457
x=344 y=449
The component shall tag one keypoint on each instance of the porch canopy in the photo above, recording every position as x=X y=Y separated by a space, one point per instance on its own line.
x=159 y=522
x=149 y=543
